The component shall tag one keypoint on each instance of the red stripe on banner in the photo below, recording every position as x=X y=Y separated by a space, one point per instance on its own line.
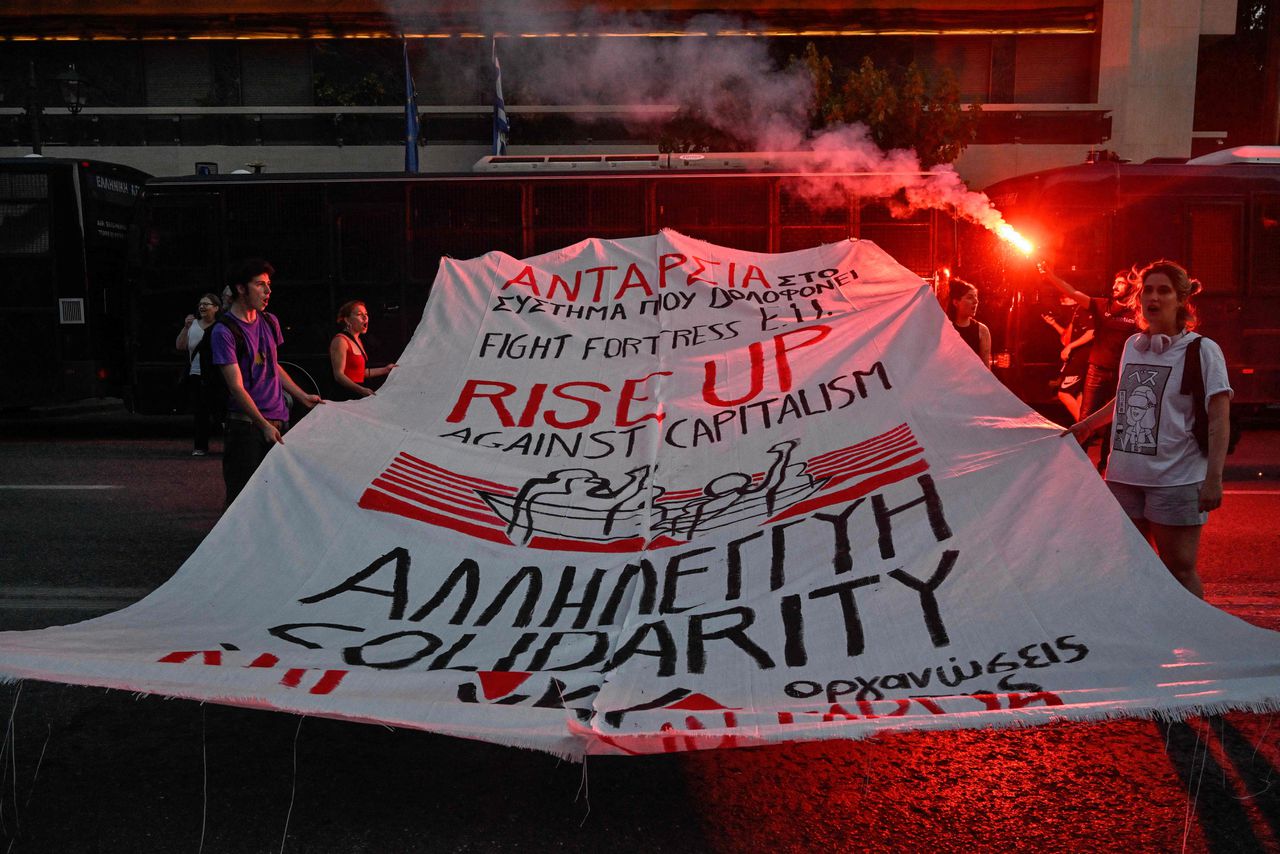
x=380 y=501
x=863 y=460
x=856 y=491
x=841 y=475
x=429 y=481
x=630 y=544
x=292 y=677
x=870 y=447
x=865 y=453
x=847 y=457
x=461 y=478
x=266 y=659
x=330 y=680
x=499 y=683
x=446 y=495
x=891 y=434
x=487 y=518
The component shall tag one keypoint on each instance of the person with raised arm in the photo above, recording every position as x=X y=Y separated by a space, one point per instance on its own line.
x=1113 y=322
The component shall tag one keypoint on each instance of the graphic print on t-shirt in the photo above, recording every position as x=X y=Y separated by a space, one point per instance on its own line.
x=1138 y=402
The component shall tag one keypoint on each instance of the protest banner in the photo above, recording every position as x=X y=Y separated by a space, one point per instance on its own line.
x=653 y=495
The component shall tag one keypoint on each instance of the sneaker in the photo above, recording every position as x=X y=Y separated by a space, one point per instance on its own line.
x=198 y=453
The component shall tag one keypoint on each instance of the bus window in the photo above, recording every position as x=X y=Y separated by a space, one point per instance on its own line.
x=1214 y=243
x=909 y=240
x=733 y=213
x=566 y=213
x=1265 y=257
x=180 y=237
x=804 y=223
x=285 y=225
x=370 y=242
x=462 y=220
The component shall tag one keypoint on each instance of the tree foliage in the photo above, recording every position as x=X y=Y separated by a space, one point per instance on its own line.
x=902 y=108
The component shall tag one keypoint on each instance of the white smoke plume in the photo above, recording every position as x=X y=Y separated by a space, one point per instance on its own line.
x=731 y=83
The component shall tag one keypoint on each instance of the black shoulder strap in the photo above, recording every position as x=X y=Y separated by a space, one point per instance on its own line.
x=275 y=324
x=1192 y=374
x=1193 y=384
x=242 y=343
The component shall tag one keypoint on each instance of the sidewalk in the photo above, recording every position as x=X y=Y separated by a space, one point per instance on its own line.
x=1257 y=457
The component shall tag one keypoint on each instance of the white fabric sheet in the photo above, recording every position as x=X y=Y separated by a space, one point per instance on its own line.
x=652 y=495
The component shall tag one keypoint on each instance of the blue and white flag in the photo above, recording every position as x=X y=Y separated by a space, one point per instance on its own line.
x=500 y=124
x=411 y=129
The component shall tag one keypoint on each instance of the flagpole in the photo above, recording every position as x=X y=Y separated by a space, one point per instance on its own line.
x=500 y=124
x=411 y=129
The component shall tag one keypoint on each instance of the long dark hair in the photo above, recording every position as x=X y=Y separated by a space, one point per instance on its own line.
x=958 y=291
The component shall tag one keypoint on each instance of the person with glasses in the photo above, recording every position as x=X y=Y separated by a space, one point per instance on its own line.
x=198 y=392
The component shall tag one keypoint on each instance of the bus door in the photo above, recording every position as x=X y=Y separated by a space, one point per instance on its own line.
x=1259 y=378
x=28 y=298
x=180 y=259
x=1215 y=256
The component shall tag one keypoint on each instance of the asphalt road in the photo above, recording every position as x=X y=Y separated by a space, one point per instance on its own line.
x=99 y=512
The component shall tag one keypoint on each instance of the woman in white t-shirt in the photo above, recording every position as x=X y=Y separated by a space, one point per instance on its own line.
x=1158 y=472
x=193 y=332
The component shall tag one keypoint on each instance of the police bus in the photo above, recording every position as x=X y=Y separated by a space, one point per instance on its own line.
x=64 y=304
x=379 y=237
x=1218 y=215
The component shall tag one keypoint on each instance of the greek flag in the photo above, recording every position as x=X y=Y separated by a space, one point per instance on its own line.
x=411 y=129
x=500 y=125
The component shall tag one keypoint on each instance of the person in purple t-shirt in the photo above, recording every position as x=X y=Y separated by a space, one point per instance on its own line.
x=257 y=413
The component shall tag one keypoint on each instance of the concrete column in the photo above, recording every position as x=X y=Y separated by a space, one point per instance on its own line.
x=1147 y=74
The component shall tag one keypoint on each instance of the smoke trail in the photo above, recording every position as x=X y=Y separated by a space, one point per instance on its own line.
x=732 y=84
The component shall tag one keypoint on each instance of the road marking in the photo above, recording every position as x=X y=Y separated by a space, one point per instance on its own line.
x=59 y=486
x=70 y=598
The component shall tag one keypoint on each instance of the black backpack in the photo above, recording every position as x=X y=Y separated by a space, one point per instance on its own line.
x=1193 y=384
x=210 y=373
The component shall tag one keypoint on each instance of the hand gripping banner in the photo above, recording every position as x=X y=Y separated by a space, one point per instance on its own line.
x=653 y=495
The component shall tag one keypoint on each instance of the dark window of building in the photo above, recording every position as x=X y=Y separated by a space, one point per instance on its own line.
x=276 y=73
x=968 y=58
x=1053 y=69
x=457 y=72
x=178 y=74
x=365 y=73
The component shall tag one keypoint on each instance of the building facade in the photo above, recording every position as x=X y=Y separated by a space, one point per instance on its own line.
x=278 y=86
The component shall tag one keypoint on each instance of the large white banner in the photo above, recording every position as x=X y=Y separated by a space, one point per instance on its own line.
x=654 y=495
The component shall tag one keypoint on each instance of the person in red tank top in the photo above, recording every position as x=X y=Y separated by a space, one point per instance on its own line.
x=347 y=355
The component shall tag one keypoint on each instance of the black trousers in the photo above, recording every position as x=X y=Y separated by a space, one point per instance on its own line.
x=243 y=450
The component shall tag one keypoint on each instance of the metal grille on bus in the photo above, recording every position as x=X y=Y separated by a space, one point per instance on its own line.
x=564 y=214
x=462 y=220
x=733 y=213
x=24 y=228
x=280 y=226
x=20 y=186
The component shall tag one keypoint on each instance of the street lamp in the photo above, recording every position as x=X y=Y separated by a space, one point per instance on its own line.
x=75 y=91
